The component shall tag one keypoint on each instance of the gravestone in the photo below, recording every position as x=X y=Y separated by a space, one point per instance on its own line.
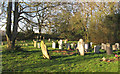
x=102 y=46
x=44 y=50
x=96 y=49
x=86 y=47
x=49 y=40
x=68 y=46
x=117 y=44
x=108 y=49
x=65 y=41
x=114 y=47
x=91 y=44
x=53 y=45
x=75 y=46
x=60 y=44
x=72 y=45
x=35 y=43
x=38 y=45
x=80 y=47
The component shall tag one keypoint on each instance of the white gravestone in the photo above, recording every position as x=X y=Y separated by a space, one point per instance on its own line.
x=53 y=45
x=114 y=47
x=86 y=47
x=65 y=41
x=102 y=46
x=80 y=47
x=117 y=44
x=38 y=45
x=72 y=45
x=96 y=49
x=60 y=44
x=91 y=44
x=49 y=40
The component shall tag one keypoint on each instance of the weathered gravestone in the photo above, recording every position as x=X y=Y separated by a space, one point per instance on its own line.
x=96 y=49
x=102 y=46
x=38 y=45
x=117 y=44
x=86 y=47
x=108 y=49
x=49 y=40
x=65 y=41
x=60 y=44
x=72 y=45
x=91 y=44
x=35 y=43
x=80 y=47
x=53 y=45
x=44 y=50
x=68 y=46
x=114 y=47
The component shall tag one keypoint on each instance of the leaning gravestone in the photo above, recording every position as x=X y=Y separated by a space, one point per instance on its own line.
x=96 y=49
x=114 y=47
x=108 y=49
x=53 y=45
x=117 y=44
x=81 y=47
x=60 y=44
x=38 y=45
x=35 y=43
x=44 y=50
x=86 y=47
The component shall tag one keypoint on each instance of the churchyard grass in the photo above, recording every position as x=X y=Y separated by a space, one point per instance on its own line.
x=30 y=59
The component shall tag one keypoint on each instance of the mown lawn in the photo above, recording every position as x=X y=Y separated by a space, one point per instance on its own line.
x=30 y=60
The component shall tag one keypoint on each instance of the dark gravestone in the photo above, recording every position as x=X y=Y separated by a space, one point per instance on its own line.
x=108 y=49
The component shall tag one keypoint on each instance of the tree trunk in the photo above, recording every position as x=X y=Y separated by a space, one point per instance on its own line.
x=8 y=27
x=15 y=25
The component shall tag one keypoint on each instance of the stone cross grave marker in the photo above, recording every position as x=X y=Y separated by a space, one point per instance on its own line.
x=96 y=49
x=81 y=47
x=53 y=45
x=108 y=49
x=44 y=50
